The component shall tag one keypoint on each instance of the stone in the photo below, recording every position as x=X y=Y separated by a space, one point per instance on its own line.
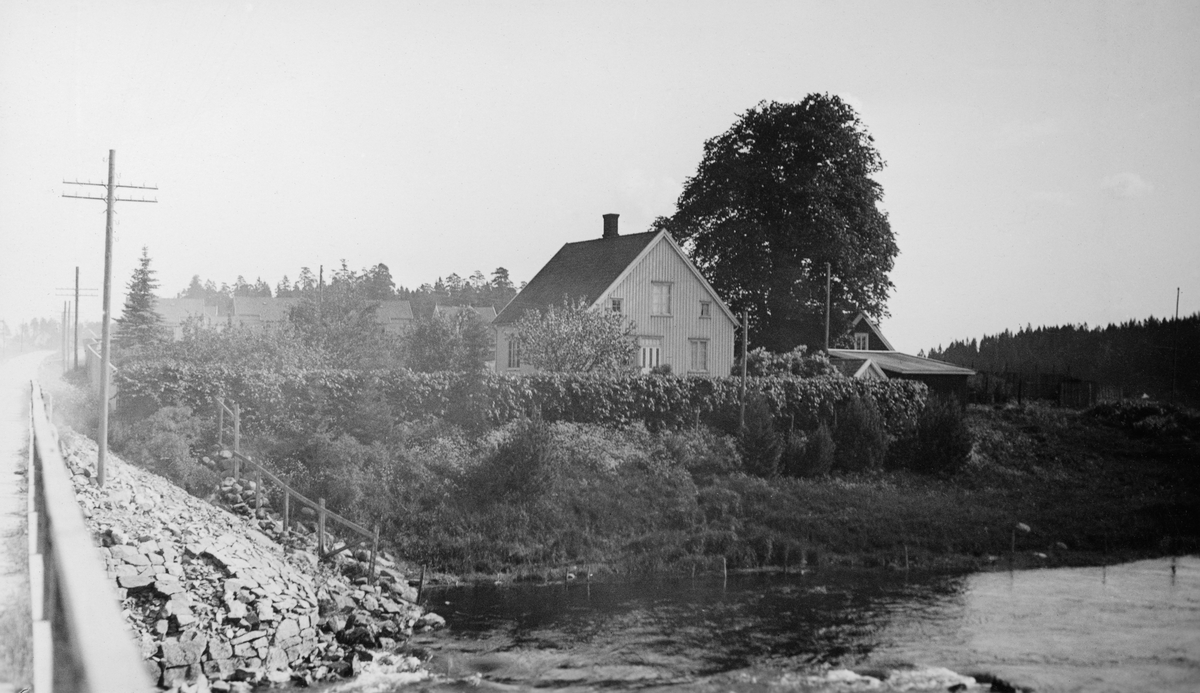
x=219 y=668
x=288 y=628
x=219 y=648
x=135 y=583
x=431 y=620
x=167 y=588
x=176 y=653
x=247 y=637
x=237 y=610
x=174 y=677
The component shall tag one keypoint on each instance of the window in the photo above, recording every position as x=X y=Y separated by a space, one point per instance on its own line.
x=862 y=341
x=514 y=354
x=699 y=355
x=706 y=309
x=660 y=299
x=616 y=305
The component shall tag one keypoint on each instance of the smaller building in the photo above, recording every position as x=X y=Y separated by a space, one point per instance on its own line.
x=175 y=312
x=874 y=357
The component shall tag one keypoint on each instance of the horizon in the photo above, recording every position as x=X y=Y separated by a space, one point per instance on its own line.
x=1033 y=151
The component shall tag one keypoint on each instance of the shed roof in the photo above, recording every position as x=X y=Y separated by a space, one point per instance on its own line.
x=578 y=270
x=394 y=310
x=900 y=364
x=263 y=308
x=175 y=310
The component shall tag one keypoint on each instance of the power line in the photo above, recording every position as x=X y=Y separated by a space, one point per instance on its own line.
x=110 y=199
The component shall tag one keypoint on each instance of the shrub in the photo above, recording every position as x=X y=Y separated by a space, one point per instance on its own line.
x=703 y=452
x=808 y=456
x=859 y=436
x=758 y=441
x=941 y=442
x=166 y=443
x=520 y=469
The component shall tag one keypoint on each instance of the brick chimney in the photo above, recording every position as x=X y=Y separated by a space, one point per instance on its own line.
x=610 y=225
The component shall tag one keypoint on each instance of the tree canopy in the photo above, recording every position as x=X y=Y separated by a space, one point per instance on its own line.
x=570 y=337
x=139 y=324
x=785 y=190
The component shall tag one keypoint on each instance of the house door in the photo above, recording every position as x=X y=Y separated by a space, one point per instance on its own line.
x=651 y=353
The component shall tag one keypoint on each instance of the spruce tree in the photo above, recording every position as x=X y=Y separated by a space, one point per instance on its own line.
x=139 y=325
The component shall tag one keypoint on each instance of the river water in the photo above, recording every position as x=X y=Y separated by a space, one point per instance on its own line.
x=1132 y=627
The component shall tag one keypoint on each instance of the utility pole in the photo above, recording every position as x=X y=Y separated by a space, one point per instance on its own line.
x=91 y=293
x=109 y=199
x=745 y=342
x=828 y=293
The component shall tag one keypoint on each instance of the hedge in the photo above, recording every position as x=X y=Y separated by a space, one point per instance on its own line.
x=285 y=399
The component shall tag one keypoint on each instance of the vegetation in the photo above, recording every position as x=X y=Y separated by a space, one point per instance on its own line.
x=139 y=326
x=571 y=338
x=787 y=189
x=1140 y=356
x=458 y=342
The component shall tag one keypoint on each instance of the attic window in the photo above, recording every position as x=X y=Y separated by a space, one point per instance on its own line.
x=660 y=298
x=862 y=341
x=616 y=305
x=706 y=309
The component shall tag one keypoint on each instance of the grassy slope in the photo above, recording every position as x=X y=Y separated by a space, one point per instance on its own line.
x=1102 y=492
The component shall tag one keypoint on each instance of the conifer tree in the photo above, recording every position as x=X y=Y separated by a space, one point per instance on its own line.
x=139 y=325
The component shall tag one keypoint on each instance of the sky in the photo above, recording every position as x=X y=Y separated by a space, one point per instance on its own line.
x=1043 y=159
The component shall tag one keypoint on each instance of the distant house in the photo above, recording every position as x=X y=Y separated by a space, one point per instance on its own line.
x=261 y=313
x=486 y=313
x=394 y=316
x=874 y=357
x=680 y=321
x=177 y=311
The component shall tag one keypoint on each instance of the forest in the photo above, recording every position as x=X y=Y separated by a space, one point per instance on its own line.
x=1154 y=356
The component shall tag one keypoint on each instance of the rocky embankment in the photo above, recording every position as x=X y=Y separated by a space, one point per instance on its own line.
x=222 y=601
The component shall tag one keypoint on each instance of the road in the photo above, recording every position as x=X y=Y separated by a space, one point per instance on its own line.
x=15 y=374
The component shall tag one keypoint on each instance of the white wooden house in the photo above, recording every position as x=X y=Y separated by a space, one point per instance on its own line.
x=680 y=321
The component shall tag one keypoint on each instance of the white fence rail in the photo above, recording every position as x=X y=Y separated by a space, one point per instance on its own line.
x=80 y=640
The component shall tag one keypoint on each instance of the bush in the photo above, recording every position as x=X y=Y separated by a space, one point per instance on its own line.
x=757 y=440
x=520 y=469
x=166 y=443
x=808 y=456
x=703 y=452
x=859 y=436
x=941 y=442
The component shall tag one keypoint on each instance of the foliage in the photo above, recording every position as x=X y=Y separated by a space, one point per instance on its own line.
x=797 y=362
x=287 y=399
x=808 y=456
x=139 y=325
x=860 y=438
x=166 y=443
x=941 y=441
x=787 y=189
x=1138 y=355
x=457 y=341
x=758 y=442
x=572 y=338
x=340 y=322
x=703 y=452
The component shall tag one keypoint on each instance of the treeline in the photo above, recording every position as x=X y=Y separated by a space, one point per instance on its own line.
x=38 y=333
x=1141 y=356
x=374 y=283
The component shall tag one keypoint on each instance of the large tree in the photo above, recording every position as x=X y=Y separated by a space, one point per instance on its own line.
x=785 y=190
x=571 y=337
x=139 y=324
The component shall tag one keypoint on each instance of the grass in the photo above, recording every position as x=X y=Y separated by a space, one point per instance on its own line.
x=16 y=630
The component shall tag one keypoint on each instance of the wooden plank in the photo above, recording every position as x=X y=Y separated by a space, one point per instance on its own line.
x=329 y=513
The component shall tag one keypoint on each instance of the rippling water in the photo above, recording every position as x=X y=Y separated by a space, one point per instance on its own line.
x=1122 y=628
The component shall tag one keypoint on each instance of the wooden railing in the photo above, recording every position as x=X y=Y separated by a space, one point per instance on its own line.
x=80 y=640
x=238 y=459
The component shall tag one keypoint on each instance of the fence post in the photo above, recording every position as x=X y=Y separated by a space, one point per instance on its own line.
x=237 y=441
x=220 y=423
x=287 y=510
x=257 y=490
x=321 y=528
x=374 y=552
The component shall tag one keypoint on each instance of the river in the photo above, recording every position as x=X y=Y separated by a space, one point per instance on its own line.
x=1131 y=627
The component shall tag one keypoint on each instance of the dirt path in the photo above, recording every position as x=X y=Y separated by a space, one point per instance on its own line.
x=15 y=374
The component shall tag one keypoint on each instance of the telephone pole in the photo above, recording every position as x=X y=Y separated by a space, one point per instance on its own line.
x=91 y=293
x=828 y=294
x=1175 y=347
x=110 y=199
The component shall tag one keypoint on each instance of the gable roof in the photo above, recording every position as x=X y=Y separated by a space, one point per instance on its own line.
x=265 y=309
x=175 y=310
x=862 y=318
x=893 y=362
x=486 y=313
x=394 y=309
x=585 y=269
